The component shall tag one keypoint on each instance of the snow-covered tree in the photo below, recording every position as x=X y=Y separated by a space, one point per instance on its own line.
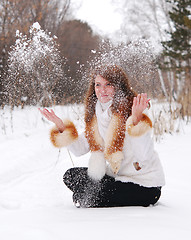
x=35 y=68
x=179 y=45
x=177 y=54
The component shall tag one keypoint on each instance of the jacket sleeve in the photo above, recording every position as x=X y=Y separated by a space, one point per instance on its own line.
x=144 y=126
x=65 y=138
x=70 y=138
x=140 y=137
x=80 y=146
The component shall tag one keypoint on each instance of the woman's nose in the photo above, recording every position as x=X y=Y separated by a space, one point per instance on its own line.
x=103 y=89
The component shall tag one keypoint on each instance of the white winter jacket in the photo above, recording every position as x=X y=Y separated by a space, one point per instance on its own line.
x=140 y=163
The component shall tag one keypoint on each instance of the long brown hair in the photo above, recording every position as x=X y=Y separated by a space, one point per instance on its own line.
x=123 y=97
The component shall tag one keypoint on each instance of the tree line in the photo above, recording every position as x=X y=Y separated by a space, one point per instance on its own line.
x=74 y=41
x=166 y=76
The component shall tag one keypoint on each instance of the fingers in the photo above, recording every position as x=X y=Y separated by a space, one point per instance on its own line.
x=40 y=110
x=46 y=113
x=148 y=100
x=141 y=99
x=43 y=112
x=135 y=101
x=52 y=112
x=140 y=103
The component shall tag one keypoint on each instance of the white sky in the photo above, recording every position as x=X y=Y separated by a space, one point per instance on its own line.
x=100 y=14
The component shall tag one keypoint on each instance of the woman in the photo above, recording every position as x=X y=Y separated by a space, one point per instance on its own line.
x=124 y=169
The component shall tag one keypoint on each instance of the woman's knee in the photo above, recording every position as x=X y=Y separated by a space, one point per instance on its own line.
x=67 y=175
x=74 y=173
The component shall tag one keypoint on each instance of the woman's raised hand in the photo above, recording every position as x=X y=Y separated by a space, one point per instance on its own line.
x=140 y=103
x=51 y=116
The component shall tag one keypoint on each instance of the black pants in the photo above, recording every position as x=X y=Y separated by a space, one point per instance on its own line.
x=107 y=192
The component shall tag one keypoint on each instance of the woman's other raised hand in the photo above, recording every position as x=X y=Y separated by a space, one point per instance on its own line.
x=140 y=103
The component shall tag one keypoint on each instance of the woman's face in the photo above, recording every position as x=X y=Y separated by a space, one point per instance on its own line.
x=103 y=89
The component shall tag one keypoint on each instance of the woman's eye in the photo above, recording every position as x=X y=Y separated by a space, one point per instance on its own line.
x=97 y=84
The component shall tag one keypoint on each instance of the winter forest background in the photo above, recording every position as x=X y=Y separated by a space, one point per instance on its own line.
x=46 y=54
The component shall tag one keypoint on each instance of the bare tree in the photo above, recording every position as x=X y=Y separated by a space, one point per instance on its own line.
x=20 y=15
x=149 y=19
x=76 y=40
x=146 y=18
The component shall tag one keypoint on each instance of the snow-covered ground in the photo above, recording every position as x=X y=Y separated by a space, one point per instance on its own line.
x=35 y=204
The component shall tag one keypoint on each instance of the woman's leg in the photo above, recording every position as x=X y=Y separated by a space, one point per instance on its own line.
x=107 y=192
x=128 y=194
x=85 y=190
x=76 y=178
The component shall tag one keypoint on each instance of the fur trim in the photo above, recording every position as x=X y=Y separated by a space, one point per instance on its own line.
x=94 y=139
x=97 y=166
x=115 y=160
x=115 y=136
x=141 y=128
x=65 y=138
x=113 y=143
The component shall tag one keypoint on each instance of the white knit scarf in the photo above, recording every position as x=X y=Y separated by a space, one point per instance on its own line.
x=103 y=114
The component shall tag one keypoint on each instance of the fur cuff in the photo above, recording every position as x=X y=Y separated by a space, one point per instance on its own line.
x=115 y=160
x=141 y=128
x=65 y=138
x=97 y=166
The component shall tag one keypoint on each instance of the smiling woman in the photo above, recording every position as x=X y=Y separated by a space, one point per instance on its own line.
x=123 y=169
x=103 y=89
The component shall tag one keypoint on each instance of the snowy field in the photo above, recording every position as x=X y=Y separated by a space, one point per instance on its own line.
x=35 y=204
